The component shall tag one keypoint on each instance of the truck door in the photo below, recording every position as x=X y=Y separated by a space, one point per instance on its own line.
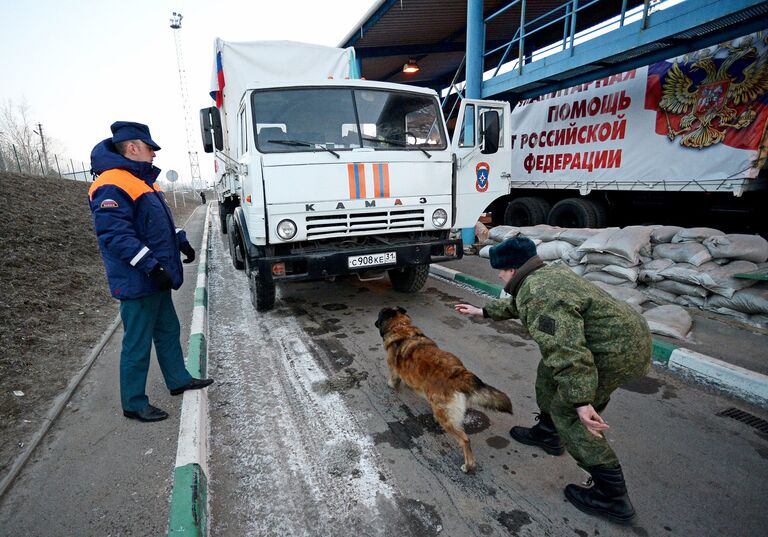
x=482 y=176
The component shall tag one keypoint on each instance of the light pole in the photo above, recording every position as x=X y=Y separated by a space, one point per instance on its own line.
x=39 y=132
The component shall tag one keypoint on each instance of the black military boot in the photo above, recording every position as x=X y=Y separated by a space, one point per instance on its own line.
x=542 y=435
x=607 y=497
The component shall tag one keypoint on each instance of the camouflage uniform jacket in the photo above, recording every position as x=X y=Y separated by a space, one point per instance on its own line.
x=581 y=330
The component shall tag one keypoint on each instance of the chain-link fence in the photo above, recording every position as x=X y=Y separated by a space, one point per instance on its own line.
x=33 y=161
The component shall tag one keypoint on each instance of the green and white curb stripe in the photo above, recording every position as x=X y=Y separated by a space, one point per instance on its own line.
x=189 y=496
x=735 y=380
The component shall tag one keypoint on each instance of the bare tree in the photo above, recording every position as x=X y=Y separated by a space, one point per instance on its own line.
x=22 y=145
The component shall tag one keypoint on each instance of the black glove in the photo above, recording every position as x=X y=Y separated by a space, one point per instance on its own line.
x=188 y=251
x=160 y=278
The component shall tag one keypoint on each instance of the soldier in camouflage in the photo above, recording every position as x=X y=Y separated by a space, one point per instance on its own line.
x=590 y=344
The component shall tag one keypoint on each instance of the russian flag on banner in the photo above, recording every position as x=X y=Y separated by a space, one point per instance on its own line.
x=218 y=95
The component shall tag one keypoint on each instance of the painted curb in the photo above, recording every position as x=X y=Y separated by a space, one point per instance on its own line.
x=735 y=380
x=188 y=514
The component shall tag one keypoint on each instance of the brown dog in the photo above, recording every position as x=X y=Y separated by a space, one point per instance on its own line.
x=437 y=375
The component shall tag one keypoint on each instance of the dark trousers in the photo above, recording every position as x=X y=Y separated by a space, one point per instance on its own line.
x=148 y=319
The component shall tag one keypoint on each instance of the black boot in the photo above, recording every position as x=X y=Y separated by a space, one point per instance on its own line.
x=542 y=435
x=607 y=497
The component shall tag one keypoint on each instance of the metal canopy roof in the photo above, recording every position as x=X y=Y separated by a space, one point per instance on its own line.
x=433 y=32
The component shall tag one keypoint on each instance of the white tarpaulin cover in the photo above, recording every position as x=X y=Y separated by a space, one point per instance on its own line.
x=666 y=125
x=237 y=66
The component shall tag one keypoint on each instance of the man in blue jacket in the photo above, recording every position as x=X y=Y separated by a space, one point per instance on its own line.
x=140 y=246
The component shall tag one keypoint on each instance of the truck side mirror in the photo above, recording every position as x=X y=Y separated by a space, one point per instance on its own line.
x=490 y=132
x=210 y=128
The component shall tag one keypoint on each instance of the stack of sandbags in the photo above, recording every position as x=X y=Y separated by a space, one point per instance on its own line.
x=692 y=267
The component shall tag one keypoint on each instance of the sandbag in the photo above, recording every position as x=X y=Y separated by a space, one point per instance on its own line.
x=720 y=279
x=697 y=234
x=659 y=296
x=596 y=258
x=629 y=274
x=573 y=257
x=498 y=233
x=604 y=277
x=730 y=313
x=690 y=301
x=481 y=232
x=629 y=242
x=664 y=234
x=679 y=288
x=542 y=232
x=686 y=273
x=669 y=320
x=599 y=242
x=630 y=296
x=578 y=269
x=651 y=271
x=689 y=252
x=747 y=247
x=577 y=236
x=549 y=251
x=752 y=301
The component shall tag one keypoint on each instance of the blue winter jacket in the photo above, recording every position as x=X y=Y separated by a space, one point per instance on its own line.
x=134 y=225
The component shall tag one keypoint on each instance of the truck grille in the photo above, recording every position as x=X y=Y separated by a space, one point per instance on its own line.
x=364 y=222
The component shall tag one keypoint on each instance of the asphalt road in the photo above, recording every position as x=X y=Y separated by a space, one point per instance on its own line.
x=308 y=439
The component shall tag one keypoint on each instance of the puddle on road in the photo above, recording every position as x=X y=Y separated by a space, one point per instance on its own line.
x=338 y=356
x=326 y=326
x=649 y=386
x=334 y=307
x=341 y=383
x=513 y=521
x=401 y=433
x=422 y=518
x=497 y=442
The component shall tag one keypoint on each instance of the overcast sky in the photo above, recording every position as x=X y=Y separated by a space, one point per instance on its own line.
x=82 y=64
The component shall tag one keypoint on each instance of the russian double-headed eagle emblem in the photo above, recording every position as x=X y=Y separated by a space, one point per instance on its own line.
x=723 y=98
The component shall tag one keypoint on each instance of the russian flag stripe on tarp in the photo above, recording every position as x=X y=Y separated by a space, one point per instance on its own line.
x=219 y=94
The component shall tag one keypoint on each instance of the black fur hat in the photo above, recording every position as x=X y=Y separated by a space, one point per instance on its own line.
x=512 y=253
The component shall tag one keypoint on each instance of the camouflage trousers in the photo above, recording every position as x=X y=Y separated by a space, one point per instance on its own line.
x=588 y=449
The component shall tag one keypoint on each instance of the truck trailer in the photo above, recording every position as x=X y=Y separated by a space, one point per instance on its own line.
x=681 y=141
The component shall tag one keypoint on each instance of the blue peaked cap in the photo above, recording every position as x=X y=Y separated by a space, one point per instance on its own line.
x=130 y=130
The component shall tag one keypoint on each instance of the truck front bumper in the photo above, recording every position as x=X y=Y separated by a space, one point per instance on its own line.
x=321 y=265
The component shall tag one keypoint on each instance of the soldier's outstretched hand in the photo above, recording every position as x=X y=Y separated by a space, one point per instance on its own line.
x=468 y=309
x=591 y=420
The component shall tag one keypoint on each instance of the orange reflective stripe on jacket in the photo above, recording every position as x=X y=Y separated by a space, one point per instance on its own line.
x=126 y=181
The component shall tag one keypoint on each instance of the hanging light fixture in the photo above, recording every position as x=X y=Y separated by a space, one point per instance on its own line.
x=411 y=66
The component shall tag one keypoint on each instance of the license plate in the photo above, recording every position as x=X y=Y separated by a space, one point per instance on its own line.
x=371 y=260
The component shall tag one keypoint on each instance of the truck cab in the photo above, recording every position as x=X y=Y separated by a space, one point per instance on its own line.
x=322 y=179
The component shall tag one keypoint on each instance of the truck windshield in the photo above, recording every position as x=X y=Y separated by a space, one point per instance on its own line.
x=338 y=119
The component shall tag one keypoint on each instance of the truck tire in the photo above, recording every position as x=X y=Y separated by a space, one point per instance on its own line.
x=526 y=211
x=223 y=219
x=572 y=213
x=233 y=237
x=601 y=213
x=409 y=279
x=262 y=292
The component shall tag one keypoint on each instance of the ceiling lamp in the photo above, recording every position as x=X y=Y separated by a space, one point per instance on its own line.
x=411 y=66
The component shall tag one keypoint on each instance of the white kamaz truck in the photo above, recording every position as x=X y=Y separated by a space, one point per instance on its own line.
x=320 y=174
x=682 y=141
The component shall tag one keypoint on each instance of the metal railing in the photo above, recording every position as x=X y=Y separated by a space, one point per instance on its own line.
x=567 y=15
x=34 y=162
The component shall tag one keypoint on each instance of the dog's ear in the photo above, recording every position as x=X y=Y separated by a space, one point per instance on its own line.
x=401 y=310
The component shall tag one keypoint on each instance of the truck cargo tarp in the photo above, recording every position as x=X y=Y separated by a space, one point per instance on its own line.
x=693 y=122
x=238 y=66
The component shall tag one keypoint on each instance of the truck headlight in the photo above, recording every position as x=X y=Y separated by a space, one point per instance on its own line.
x=439 y=218
x=286 y=229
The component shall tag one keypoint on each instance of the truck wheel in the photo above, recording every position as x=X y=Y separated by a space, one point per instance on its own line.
x=526 y=212
x=223 y=219
x=572 y=213
x=233 y=237
x=409 y=279
x=262 y=292
x=601 y=213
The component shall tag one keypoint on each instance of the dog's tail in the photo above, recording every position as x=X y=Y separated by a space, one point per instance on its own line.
x=489 y=397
